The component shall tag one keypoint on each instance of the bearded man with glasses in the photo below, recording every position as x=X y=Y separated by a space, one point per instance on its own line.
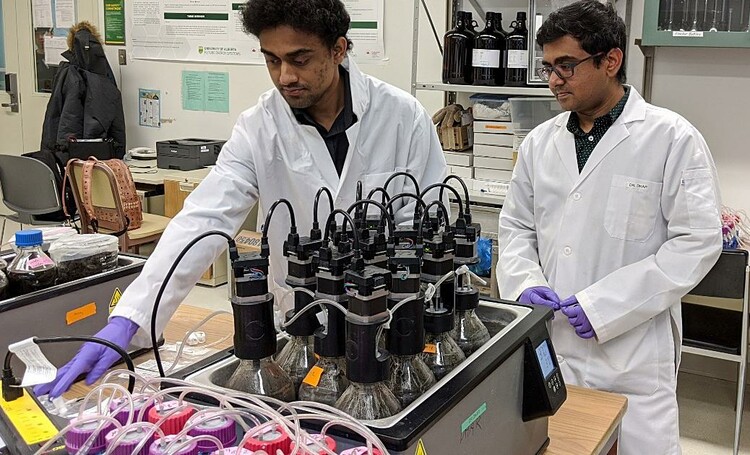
x=611 y=218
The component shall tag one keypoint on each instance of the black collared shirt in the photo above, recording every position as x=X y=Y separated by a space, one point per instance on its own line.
x=586 y=142
x=335 y=138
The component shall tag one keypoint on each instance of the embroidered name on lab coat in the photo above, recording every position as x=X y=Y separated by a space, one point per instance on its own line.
x=637 y=186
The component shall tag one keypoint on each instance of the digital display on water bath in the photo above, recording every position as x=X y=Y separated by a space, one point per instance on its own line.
x=545 y=359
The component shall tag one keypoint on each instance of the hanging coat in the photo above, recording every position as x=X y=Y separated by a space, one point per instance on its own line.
x=269 y=156
x=85 y=101
x=629 y=235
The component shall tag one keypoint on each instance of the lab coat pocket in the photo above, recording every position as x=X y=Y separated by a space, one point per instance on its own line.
x=701 y=199
x=628 y=363
x=632 y=208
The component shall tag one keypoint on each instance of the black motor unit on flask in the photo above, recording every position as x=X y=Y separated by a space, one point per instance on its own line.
x=367 y=366
x=326 y=381
x=410 y=377
x=441 y=353
x=298 y=357
x=468 y=331
x=254 y=330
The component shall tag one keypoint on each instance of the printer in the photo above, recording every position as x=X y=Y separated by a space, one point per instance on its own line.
x=187 y=154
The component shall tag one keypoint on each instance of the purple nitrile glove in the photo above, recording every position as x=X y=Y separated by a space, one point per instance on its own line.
x=540 y=295
x=577 y=317
x=92 y=358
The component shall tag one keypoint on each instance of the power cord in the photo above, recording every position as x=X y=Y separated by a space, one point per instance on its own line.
x=11 y=391
x=233 y=255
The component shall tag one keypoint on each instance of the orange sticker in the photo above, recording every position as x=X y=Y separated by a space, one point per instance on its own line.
x=430 y=349
x=73 y=316
x=313 y=376
x=496 y=127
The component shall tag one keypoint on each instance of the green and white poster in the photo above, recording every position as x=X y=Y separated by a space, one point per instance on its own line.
x=114 y=22
x=212 y=31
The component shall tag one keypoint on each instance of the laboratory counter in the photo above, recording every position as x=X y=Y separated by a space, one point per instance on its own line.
x=587 y=423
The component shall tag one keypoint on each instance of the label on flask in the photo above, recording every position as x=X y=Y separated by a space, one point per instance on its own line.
x=518 y=59
x=313 y=376
x=430 y=349
x=40 y=261
x=486 y=58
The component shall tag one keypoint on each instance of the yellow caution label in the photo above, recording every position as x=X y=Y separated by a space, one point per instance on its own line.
x=29 y=419
x=115 y=298
x=313 y=376
x=420 y=448
x=80 y=313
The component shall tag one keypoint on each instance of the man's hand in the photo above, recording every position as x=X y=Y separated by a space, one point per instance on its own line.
x=540 y=295
x=92 y=358
x=577 y=317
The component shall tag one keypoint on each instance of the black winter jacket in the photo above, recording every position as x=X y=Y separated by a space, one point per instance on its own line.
x=85 y=101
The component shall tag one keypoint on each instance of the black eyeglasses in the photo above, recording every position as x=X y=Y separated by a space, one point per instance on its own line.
x=563 y=70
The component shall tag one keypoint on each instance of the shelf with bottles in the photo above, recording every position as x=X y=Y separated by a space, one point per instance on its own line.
x=696 y=23
x=495 y=90
x=479 y=52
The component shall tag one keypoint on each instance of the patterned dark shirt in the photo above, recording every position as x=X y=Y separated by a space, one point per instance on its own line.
x=336 y=141
x=586 y=142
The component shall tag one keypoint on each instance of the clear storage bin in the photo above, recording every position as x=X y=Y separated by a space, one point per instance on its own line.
x=527 y=113
x=490 y=107
x=79 y=256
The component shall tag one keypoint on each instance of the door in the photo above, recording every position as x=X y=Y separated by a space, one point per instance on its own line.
x=26 y=33
x=10 y=122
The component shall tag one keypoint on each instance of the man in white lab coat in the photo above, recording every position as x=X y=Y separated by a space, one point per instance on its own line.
x=324 y=125
x=611 y=217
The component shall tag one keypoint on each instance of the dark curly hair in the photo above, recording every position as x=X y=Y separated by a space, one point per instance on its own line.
x=595 y=25
x=327 y=19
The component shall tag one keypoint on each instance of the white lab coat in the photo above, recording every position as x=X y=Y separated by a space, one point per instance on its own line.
x=270 y=155
x=629 y=236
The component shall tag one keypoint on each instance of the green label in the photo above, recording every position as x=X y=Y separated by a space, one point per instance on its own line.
x=114 y=22
x=474 y=417
x=198 y=16
x=237 y=6
x=364 y=24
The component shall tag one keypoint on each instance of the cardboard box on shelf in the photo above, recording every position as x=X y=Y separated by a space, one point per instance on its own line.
x=456 y=138
x=493 y=151
x=247 y=241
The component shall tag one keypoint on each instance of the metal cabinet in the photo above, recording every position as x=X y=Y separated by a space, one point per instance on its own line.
x=696 y=23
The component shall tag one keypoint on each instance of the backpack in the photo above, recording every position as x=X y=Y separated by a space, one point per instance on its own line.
x=108 y=217
x=52 y=160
